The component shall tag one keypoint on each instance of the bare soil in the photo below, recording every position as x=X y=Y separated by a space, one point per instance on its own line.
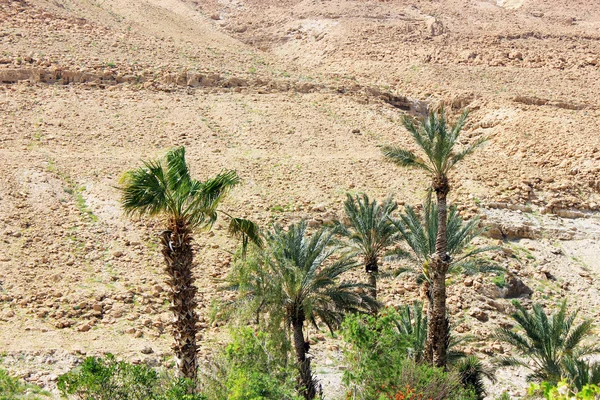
x=298 y=97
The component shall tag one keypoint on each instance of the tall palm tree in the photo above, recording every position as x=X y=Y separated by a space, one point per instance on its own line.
x=164 y=188
x=552 y=343
x=369 y=231
x=304 y=286
x=437 y=141
x=420 y=233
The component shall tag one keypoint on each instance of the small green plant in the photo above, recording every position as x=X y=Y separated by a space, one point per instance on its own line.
x=499 y=281
x=111 y=64
x=563 y=391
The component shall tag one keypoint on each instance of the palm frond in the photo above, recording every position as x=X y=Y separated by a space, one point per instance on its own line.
x=405 y=158
x=202 y=208
x=178 y=175
x=247 y=231
x=458 y=157
x=145 y=190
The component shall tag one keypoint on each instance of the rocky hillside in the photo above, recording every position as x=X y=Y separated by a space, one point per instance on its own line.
x=298 y=97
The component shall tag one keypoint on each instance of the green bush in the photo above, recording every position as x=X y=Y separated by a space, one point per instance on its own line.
x=379 y=366
x=563 y=391
x=13 y=389
x=254 y=366
x=109 y=379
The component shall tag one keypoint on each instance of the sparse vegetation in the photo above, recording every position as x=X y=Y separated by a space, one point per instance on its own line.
x=13 y=389
x=109 y=379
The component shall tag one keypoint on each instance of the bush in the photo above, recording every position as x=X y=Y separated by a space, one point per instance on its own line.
x=13 y=389
x=109 y=379
x=379 y=368
x=563 y=391
x=254 y=366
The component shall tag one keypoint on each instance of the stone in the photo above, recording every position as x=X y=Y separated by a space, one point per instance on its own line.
x=147 y=350
x=515 y=288
x=479 y=314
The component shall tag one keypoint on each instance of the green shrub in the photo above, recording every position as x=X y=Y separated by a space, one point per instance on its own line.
x=563 y=391
x=254 y=366
x=379 y=366
x=13 y=389
x=109 y=379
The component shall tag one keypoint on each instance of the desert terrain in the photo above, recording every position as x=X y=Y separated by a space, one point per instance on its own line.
x=298 y=96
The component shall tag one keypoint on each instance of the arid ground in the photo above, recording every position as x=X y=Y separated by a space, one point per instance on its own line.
x=298 y=96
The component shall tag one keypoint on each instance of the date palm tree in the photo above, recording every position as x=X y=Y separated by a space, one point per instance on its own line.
x=419 y=231
x=164 y=188
x=437 y=141
x=369 y=231
x=551 y=346
x=304 y=286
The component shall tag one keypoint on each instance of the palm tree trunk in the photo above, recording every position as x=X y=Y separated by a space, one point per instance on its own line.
x=178 y=255
x=428 y=350
x=307 y=385
x=437 y=335
x=372 y=268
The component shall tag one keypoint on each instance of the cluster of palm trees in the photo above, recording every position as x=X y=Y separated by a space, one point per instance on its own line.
x=296 y=274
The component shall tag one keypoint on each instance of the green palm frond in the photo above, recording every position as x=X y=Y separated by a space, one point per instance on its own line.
x=246 y=230
x=145 y=190
x=548 y=341
x=178 y=175
x=405 y=158
x=472 y=371
x=437 y=140
x=164 y=187
x=369 y=231
x=458 y=157
x=303 y=277
x=420 y=233
x=206 y=197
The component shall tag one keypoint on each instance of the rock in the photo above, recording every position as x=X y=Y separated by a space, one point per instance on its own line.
x=84 y=328
x=515 y=288
x=468 y=282
x=479 y=314
x=147 y=350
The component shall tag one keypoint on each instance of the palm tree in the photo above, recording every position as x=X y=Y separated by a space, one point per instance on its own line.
x=553 y=344
x=420 y=233
x=437 y=141
x=369 y=231
x=472 y=371
x=304 y=286
x=164 y=188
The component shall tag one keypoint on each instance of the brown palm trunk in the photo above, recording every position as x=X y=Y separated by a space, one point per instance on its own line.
x=372 y=268
x=306 y=385
x=437 y=333
x=428 y=350
x=178 y=255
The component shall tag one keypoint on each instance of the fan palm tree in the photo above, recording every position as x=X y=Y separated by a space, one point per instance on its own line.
x=304 y=285
x=553 y=344
x=420 y=233
x=438 y=142
x=164 y=188
x=369 y=231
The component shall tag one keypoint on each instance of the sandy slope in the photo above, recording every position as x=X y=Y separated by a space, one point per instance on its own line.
x=293 y=96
